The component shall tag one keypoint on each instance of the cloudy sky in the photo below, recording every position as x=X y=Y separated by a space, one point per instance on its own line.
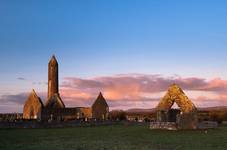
x=130 y=50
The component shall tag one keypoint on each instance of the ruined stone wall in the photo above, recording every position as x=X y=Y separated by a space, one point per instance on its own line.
x=85 y=112
x=63 y=114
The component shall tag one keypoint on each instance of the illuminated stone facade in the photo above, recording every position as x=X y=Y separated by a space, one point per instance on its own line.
x=33 y=107
x=185 y=117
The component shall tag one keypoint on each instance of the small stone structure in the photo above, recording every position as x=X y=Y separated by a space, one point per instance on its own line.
x=185 y=118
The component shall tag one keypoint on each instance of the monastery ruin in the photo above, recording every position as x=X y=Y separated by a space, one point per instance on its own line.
x=54 y=108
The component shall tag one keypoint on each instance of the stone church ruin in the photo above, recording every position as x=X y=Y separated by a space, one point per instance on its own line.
x=183 y=118
x=54 y=108
x=100 y=109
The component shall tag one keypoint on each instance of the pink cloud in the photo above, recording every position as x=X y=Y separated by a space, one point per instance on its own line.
x=130 y=91
x=133 y=88
x=216 y=84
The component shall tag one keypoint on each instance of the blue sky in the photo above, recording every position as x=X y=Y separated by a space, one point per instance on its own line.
x=103 y=38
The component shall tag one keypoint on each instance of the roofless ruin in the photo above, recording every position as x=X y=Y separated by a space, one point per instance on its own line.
x=183 y=118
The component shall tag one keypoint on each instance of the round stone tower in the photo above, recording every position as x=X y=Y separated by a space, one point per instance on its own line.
x=52 y=77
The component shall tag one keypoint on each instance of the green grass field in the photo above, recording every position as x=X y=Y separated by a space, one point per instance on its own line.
x=112 y=137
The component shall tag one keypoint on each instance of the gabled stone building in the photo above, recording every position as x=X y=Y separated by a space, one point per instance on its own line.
x=33 y=107
x=55 y=109
x=100 y=108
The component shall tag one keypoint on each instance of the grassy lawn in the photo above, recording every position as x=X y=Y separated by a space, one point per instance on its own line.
x=112 y=137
